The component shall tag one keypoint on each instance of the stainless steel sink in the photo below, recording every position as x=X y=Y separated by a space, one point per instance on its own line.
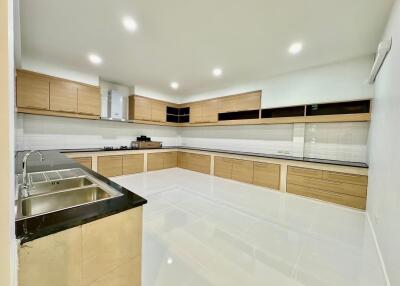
x=61 y=200
x=59 y=185
x=61 y=189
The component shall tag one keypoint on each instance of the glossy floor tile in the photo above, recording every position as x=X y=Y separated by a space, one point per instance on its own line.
x=204 y=230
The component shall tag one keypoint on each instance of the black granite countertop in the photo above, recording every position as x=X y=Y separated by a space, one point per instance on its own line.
x=262 y=155
x=28 y=229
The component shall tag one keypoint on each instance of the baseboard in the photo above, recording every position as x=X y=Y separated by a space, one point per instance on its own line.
x=378 y=250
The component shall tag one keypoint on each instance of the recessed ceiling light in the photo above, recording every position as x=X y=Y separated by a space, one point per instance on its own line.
x=217 y=72
x=174 y=85
x=295 y=48
x=95 y=59
x=129 y=24
x=170 y=260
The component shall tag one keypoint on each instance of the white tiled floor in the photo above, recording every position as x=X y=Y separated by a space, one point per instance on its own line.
x=204 y=230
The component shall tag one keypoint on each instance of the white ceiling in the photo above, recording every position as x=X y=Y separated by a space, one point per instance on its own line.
x=183 y=40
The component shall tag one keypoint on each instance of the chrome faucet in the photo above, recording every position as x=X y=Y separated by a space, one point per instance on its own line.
x=26 y=184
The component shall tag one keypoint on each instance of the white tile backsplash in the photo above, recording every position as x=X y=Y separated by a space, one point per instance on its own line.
x=336 y=141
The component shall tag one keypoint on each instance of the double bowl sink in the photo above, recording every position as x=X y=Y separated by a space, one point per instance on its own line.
x=57 y=190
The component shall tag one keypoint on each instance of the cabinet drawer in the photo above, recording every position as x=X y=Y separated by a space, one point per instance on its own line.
x=170 y=159
x=342 y=199
x=85 y=161
x=133 y=164
x=306 y=172
x=223 y=167
x=332 y=186
x=242 y=171
x=109 y=166
x=346 y=178
x=155 y=161
x=267 y=175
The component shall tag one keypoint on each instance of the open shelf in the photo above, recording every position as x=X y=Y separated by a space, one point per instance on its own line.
x=352 y=107
x=291 y=111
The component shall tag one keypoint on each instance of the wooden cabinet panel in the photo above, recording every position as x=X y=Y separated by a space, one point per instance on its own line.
x=306 y=172
x=155 y=161
x=33 y=91
x=241 y=102
x=346 y=178
x=51 y=260
x=267 y=175
x=63 y=96
x=342 y=199
x=109 y=166
x=158 y=111
x=142 y=108
x=332 y=186
x=223 y=167
x=132 y=164
x=89 y=101
x=195 y=162
x=242 y=171
x=170 y=160
x=85 y=161
x=210 y=110
x=196 y=113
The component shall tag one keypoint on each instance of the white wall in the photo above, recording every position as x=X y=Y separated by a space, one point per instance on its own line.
x=336 y=82
x=383 y=203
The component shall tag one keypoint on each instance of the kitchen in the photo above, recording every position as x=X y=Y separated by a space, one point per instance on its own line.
x=143 y=145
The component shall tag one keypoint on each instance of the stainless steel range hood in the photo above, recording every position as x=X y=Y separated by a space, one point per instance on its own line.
x=114 y=105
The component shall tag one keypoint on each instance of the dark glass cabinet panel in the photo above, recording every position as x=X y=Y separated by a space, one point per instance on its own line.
x=362 y=106
x=178 y=115
x=291 y=111
x=248 y=114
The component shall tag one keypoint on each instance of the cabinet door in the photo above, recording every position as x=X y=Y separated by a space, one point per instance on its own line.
x=63 y=96
x=242 y=171
x=199 y=163
x=33 y=91
x=155 y=161
x=249 y=101
x=196 y=113
x=170 y=160
x=109 y=166
x=133 y=164
x=142 y=108
x=267 y=175
x=210 y=110
x=85 y=161
x=158 y=111
x=223 y=167
x=89 y=100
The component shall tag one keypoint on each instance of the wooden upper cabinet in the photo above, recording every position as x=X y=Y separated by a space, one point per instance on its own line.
x=63 y=96
x=142 y=108
x=32 y=91
x=158 y=111
x=89 y=101
x=241 y=102
x=210 y=110
x=196 y=113
x=204 y=111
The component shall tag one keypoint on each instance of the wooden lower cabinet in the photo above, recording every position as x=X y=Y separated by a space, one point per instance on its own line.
x=170 y=160
x=102 y=253
x=155 y=161
x=223 y=167
x=85 y=161
x=110 y=166
x=161 y=160
x=341 y=188
x=246 y=171
x=267 y=175
x=194 y=162
x=242 y=171
x=132 y=164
